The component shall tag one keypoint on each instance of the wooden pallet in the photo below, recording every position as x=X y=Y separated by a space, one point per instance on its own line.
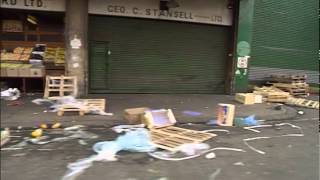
x=88 y=104
x=60 y=86
x=272 y=94
x=171 y=138
x=303 y=103
x=295 y=90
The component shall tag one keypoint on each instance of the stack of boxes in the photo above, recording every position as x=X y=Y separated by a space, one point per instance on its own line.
x=18 y=54
x=55 y=55
x=21 y=70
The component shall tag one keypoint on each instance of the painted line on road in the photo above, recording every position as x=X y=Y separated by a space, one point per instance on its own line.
x=310 y=119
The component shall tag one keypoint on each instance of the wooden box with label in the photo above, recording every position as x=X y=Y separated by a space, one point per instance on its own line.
x=37 y=72
x=12 y=70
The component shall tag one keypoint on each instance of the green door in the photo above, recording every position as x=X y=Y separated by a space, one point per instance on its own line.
x=154 y=56
x=98 y=66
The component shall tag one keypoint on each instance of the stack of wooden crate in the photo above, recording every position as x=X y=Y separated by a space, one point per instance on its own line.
x=296 y=85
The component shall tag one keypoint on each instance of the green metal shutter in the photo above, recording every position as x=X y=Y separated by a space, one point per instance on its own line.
x=153 y=56
x=97 y=68
x=285 y=38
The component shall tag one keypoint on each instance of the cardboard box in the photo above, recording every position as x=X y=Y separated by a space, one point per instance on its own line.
x=245 y=98
x=159 y=118
x=3 y=69
x=225 y=114
x=24 y=70
x=37 y=72
x=12 y=70
x=135 y=115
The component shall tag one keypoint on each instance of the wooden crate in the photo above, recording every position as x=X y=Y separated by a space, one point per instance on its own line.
x=245 y=98
x=171 y=138
x=225 y=114
x=61 y=85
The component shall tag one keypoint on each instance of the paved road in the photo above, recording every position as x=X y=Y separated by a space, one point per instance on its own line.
x=286 y=157
x=30 y=114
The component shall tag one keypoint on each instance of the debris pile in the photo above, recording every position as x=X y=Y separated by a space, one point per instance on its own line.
x=284 y=89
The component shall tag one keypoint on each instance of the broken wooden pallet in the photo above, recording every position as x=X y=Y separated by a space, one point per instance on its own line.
x=60 y=86
x=303 y=103
x=88 y=104
x=171 y=138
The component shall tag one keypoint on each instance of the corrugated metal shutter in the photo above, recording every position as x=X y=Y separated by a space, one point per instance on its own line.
x=285 y=38
x=150 y=56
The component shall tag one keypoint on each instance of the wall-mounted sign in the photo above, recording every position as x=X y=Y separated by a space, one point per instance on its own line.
x=12 y=26
x=42 y=5
x=200 y=11
x=242 y=62
x=75 y=43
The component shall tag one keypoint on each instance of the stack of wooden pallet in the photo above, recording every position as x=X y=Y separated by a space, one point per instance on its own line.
x=272 y=94
x=294 y=84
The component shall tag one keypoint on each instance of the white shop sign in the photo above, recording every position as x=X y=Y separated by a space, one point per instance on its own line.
x=200 y=11
x=41 y=5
